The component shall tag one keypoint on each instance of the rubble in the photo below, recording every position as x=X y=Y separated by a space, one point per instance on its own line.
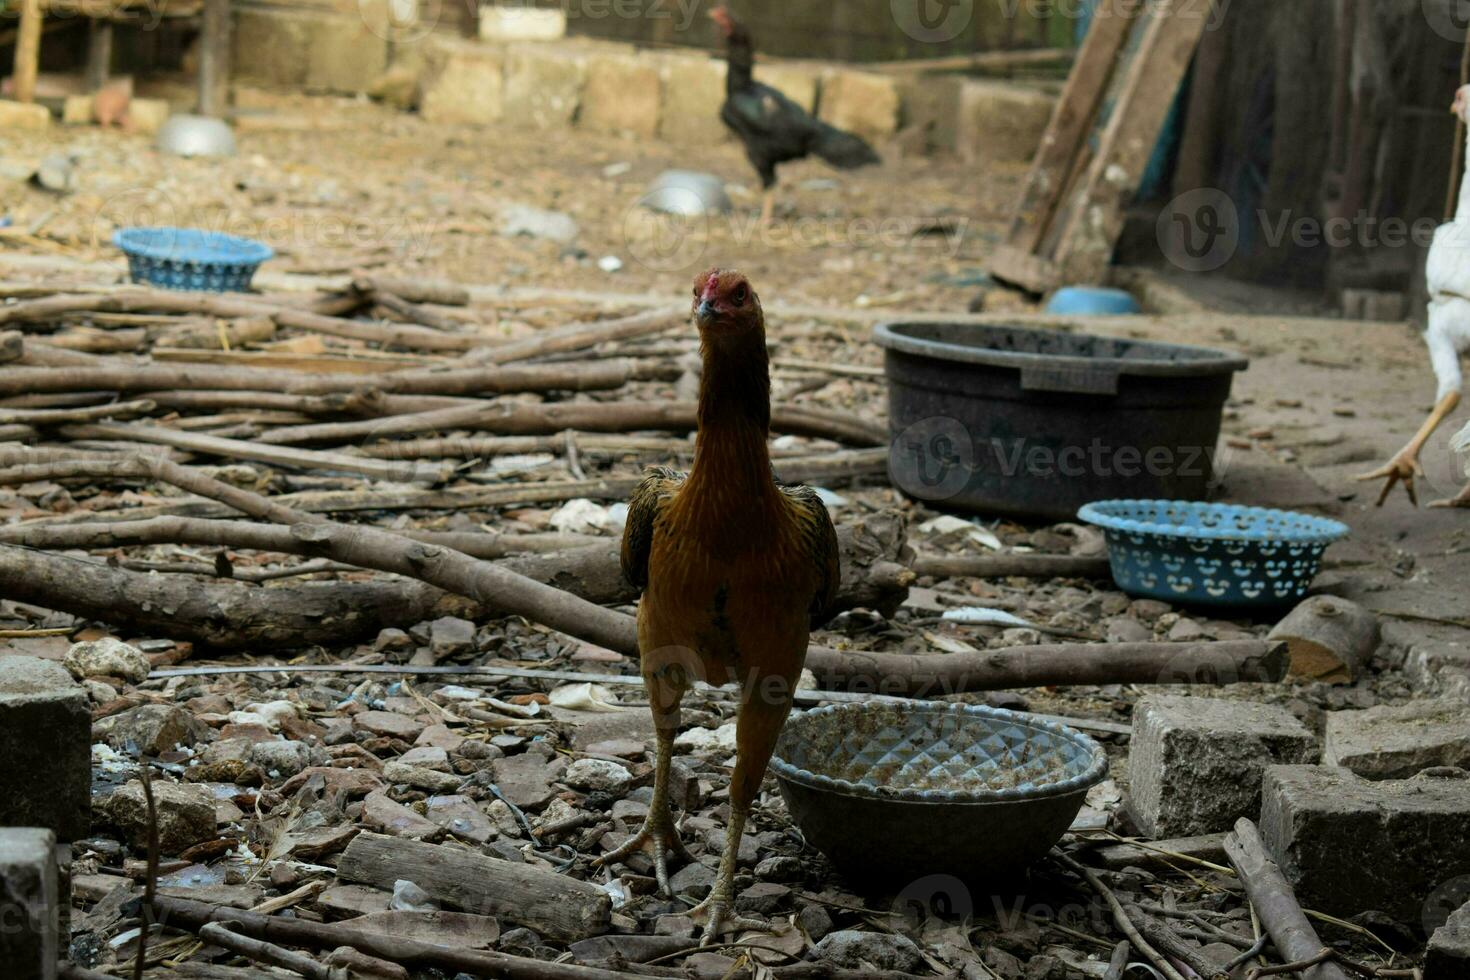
x=107 y=657
x=152 y=728
x=186 y=814
x=1196 y=763
x=29 y=903
x=1448 y=956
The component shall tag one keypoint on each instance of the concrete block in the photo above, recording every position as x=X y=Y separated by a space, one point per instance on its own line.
x=694 y=90
x=543 y=87
x=186 y=814
x=1001 y=122
x=797 y=83
x=622 y=96
x=348 y=52
x=77 y=110
x=1195 y=764
x=22 y=115
x=30 y=900
x=147 y=115
x=931 y=111
x=46 y=731
x=864 y=103
x=1351 y=845
x=1396 y=742
x=1448 y=955
x=271 y=46
x=465 y=84
x=522 y=23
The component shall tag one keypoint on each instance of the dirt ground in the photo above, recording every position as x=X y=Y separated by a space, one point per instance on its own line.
x=338 y=186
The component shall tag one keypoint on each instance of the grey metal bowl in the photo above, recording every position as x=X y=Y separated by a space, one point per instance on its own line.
x=196 y=136
x=892 y=790
x=687 y=192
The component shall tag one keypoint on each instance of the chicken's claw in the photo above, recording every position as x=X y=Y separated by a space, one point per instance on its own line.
x=658 y=838
x=1461 y=500
x=1404 y=466
x=715 y=915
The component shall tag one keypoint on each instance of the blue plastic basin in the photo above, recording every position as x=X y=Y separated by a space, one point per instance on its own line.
x=189 y=258
x=1091 y=301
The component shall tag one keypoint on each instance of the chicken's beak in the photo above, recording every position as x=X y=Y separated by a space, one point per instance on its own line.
x=705 y=313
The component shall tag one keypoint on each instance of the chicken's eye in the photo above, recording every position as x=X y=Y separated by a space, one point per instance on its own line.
x=738 y=294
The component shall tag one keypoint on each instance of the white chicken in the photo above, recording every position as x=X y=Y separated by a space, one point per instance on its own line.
x=1447 y=271
x=1460 y=444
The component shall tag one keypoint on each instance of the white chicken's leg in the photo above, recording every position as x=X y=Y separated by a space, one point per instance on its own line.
x=1405 y=463
x=1462 y=499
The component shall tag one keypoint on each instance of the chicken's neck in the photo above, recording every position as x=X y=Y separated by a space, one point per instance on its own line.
x=1462 y=209
x=740 y=56
x=730 y=451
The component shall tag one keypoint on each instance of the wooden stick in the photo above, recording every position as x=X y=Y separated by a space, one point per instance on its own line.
x=1120 y=916
x=27 y=52
x=578 y=336
x=261 y=951
x=623 y=416
x=1275 y=902
x=56 y=416
x=1330 y=639
x=439 y=292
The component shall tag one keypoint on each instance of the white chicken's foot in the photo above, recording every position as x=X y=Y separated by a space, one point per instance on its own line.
x=1460 y=500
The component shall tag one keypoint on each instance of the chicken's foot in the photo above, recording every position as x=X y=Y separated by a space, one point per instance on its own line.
x=716 y=913
x=1405 y=463
x=659 y=837
x=768 y=206
x=1462 y=499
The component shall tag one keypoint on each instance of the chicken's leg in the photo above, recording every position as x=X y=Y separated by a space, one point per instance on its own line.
x=1405 y=464
x=768 y=205
x=1462 y=499
x=659 y=837
x=763 y=711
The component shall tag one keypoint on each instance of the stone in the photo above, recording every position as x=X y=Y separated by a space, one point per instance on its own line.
x=107 y=657
x=22 y=115
x=543 y=88
x=30 y=903
x=864 y=103
x=1001 y=122
x=426 y=757
x=1349 y=844
x=285 y=759
x=152 y=728
x=461 y=817
x=1397 y=742
x=1448 y=955
x=694 y=880
x=353 y=782
x=532 y=222
x=185 y=814
x=389 y=723
x=1126 y=629
x=399 y=88
x=465 y=85
x=450 y=636
x=706 y=741
x=694 y=90
x=440 y=737
x=621 y=96
x=780 y=867
x=419 y=778
x=598 y=776
x=526 y=779
x=46 y=729
x=522 y=22
x=147 y=115
x=381 y=813
x=623 y=748
x=856 y=950
x=815 y=921
x=763 y=898
x=1195 y=763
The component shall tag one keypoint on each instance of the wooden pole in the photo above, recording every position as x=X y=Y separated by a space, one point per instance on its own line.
x=214 y=59
x=27 y=51
x=99 y=53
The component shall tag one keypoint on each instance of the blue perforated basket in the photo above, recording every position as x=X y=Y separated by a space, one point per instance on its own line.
x=1216 y=554
x=188 y=258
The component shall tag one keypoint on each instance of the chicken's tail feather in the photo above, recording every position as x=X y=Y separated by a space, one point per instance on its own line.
x=842 y=149
x=1461 y=444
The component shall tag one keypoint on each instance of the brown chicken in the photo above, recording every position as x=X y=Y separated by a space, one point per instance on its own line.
x=734 y=569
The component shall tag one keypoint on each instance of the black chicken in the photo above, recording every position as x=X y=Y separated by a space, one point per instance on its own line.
x=773 y=128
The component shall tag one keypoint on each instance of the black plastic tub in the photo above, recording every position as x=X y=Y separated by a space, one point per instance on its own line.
x=1036 y=423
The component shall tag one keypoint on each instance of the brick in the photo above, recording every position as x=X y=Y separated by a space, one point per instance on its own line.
x=22 y=115
x=860 y=102
x=1195 y=764
x=694 y=90
x=1448 y=955
x=1396 y=742
x=622 y=96
x=30 y=900
x=543 y=87
x=46 y=729
x=1000 y=122
x=1351 y=845
x=466 y=84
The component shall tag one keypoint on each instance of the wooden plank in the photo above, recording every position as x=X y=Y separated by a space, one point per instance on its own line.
x=1171 y=29
x=1020 y=268
x=27 y=52
x=1070 y=123
x=556 y=906
x=214 y=59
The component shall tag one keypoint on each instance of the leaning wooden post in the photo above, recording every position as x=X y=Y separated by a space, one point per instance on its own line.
x=27 y=51
x=214 y=58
